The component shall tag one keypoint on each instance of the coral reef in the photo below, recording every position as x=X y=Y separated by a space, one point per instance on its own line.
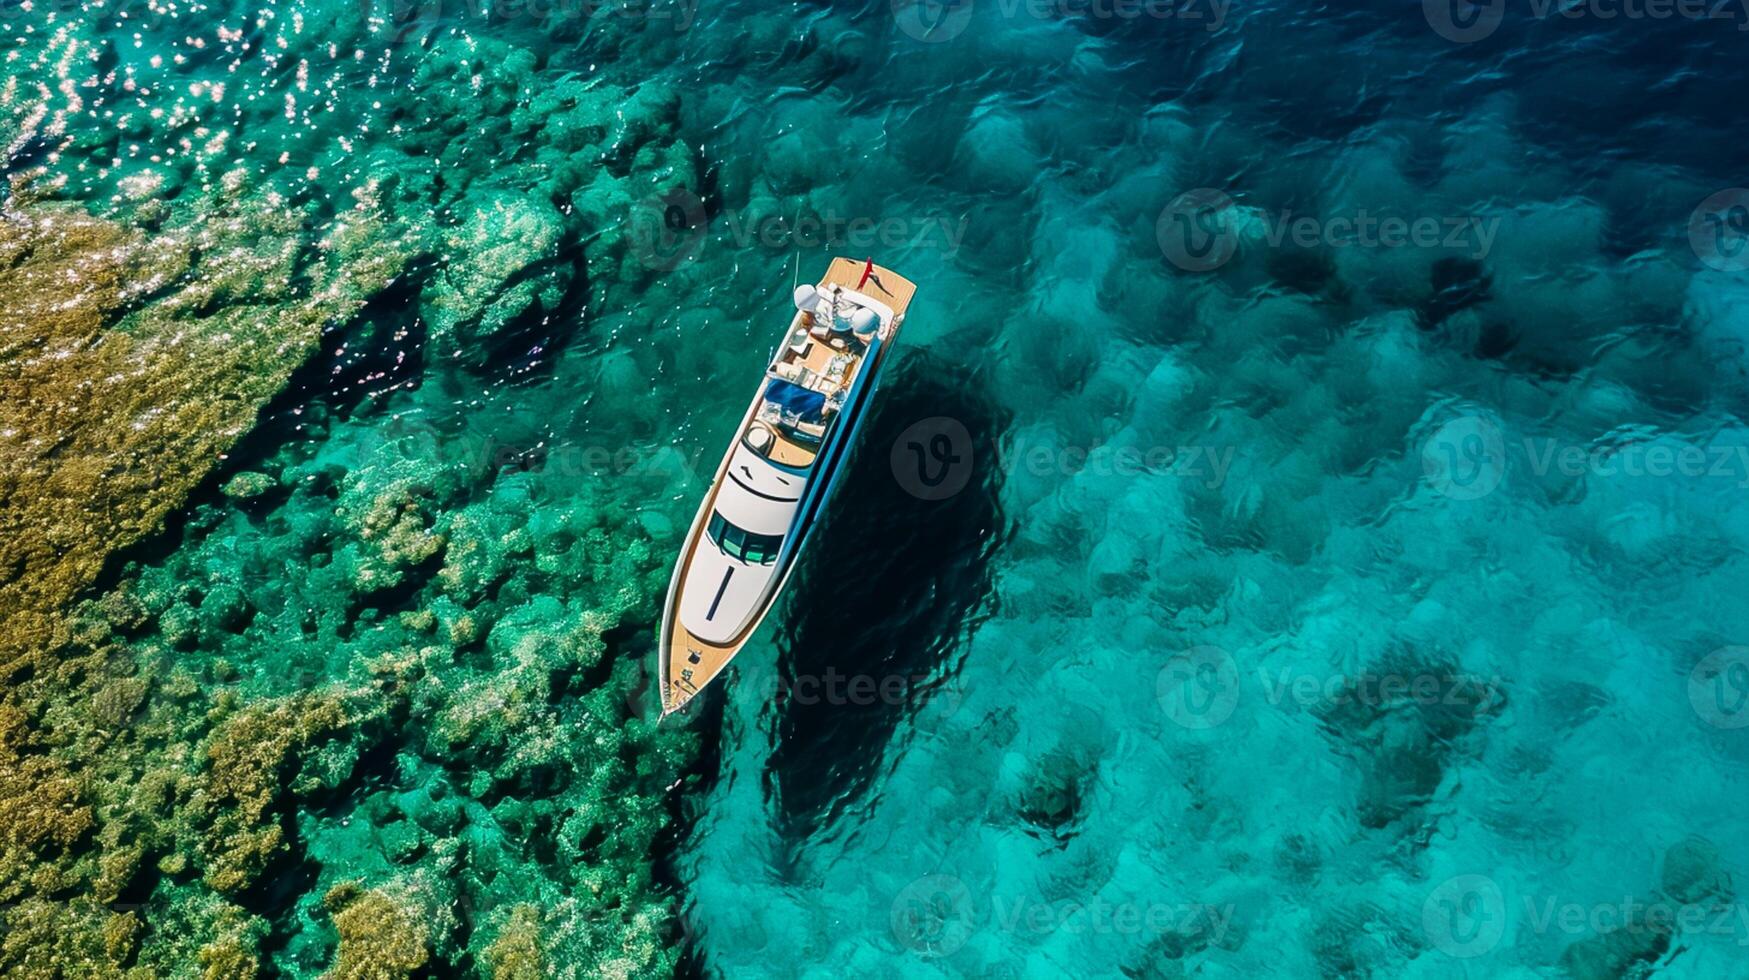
x=289 y=688
x=106 y=438
x=506 y=265
x=436 y=774
x=384 y=934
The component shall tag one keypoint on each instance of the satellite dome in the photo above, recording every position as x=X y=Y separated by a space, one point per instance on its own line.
x=807 y=297
x=865 y=321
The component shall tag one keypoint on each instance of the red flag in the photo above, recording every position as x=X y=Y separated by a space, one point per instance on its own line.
x=867 y=270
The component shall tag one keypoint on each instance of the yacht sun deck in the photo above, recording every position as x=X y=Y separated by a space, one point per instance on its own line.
x=818 y=358
x=812 y=361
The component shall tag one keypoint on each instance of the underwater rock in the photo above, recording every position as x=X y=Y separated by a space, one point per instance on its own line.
x=1456 y=285
x=516 y=953
x=393 y=525
x=503 y=263
x=50 y=547
x=384 y=934
x=247 y=485
x=1716 y=310
x=573 y=939
x=401 y=841
x=1693 y=872
x=81 y=938
x=1051 y=798
x=1297 y=859
x=203 y=930
x=996 y=153
x=224 y=609
x=142 y=417
x=1619 y=952
x=150 y=740
x=130 y=362
x=253 y=758
x=42 y=810
x=1408 y=740
x=476 y=560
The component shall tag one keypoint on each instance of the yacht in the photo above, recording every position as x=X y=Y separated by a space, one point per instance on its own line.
x=772 y=485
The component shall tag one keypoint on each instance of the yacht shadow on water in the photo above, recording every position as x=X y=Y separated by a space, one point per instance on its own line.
x=885 y=591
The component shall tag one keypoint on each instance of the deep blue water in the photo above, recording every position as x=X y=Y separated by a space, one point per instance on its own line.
x=1344 y=674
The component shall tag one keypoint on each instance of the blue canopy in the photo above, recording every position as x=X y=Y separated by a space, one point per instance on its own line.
x=796 y=400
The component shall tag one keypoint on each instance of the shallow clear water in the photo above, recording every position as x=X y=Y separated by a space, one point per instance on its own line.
x=1301 y=534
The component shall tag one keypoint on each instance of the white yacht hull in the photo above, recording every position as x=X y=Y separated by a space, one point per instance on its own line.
x=730 y=571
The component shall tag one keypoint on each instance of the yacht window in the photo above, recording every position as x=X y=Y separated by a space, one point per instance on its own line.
x=761 y=549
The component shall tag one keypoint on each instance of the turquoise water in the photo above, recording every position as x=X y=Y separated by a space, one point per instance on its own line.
x=1300 y=536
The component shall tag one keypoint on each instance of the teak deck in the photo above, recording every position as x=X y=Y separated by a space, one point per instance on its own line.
x=691 y=662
